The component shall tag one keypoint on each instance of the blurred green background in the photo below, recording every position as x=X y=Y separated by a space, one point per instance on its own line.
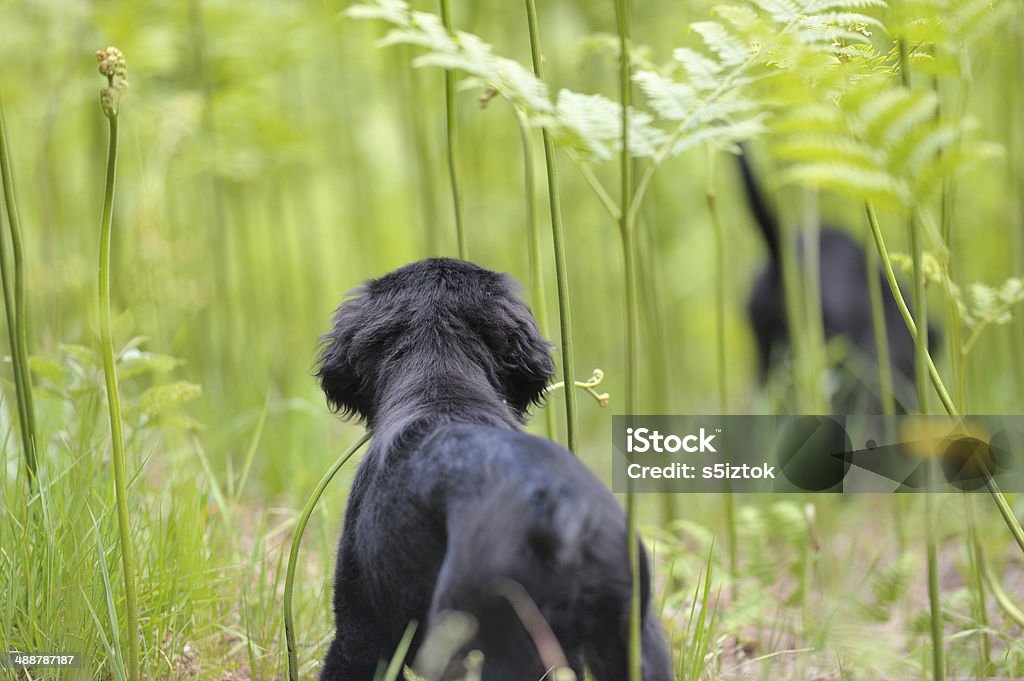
x=271 y=159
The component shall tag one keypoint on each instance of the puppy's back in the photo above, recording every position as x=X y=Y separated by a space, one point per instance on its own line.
x=524 y=510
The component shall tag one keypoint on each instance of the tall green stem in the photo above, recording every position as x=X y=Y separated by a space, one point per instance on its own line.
x=538 y=291
x=814 y=322
x=561 y=273
x=976 y=561
x=711 y=195
x=804 y=378
x=901 y=303
x=627 y=224
x=17 y=312
x=921 y=356
x=451 y=131
x=935 y=605
x=881 y=332
x=112 y=60
x=293 y=554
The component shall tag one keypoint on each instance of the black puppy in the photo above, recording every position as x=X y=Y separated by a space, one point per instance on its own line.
x=452 y=501
x=845 y=308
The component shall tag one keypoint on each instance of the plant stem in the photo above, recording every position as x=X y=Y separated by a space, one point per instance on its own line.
x=114 y=408
x=627 y=223
x=921 y=360
x=537 y=288
x=1004 y=508
x=16 y=311
x=935 y=605
x=881 y=333
x=901 y=303
x=561 y=274
x=451 y=131
x=804 y=378
x=976 y=562
x=293 y=554
x=814 y=322
x=921 y=356
x=711 y=195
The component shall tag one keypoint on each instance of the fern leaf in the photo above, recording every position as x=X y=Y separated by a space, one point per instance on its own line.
x=701 y=71
x=672 y=101
x=392 y=11
x=865 y=184
x=731 y=50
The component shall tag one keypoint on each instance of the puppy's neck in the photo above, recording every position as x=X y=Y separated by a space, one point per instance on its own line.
x=424 y=400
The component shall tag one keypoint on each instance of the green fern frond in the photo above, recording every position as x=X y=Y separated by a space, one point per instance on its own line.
x=731 y=50
x=825 y=147
x=393 y=11
x=866 y=184
x=781 y=11
x=724 y=136
x=671 y=100
x=821 y=6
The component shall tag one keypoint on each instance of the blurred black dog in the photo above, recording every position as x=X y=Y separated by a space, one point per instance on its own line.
x=845 y=307
x=452 y=501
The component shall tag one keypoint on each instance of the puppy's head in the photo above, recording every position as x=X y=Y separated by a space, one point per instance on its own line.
x=437 y=320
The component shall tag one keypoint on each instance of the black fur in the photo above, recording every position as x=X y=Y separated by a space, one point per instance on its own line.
x=441 y=359
x=846 y=310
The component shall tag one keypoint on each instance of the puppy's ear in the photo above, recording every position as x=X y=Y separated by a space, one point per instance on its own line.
x=523 y=355
x=339 y=366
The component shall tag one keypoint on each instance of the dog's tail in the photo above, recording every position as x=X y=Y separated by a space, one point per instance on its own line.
x=556 y=529
x=763 y=214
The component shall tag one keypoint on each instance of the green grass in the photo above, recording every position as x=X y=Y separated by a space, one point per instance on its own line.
x=271 y=157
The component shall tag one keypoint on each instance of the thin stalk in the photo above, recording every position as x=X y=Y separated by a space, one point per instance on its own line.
x=957 y=355
x=425 y=158
x=1004 y=508
x=878 y=324
x=451 y=132
x=538 y=290
x=711 y=196
x=112 y=58
x=813 y=315
x=293 y=554
x=1009 y=608
x=796 y=320
x=921 y=359
x=627 y=223
x=1005 y=511
x=561 y=273
x=976 y=561
x=921 y=356
x=20 y=302
x=16 y=311
x=935 y=605
x=595 y=184
x=901 y=303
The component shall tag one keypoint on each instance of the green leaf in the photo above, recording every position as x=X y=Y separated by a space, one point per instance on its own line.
x=85 y=355
x=394 y=11
x=163 y=397
x=136 y=362
x=47 y=368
